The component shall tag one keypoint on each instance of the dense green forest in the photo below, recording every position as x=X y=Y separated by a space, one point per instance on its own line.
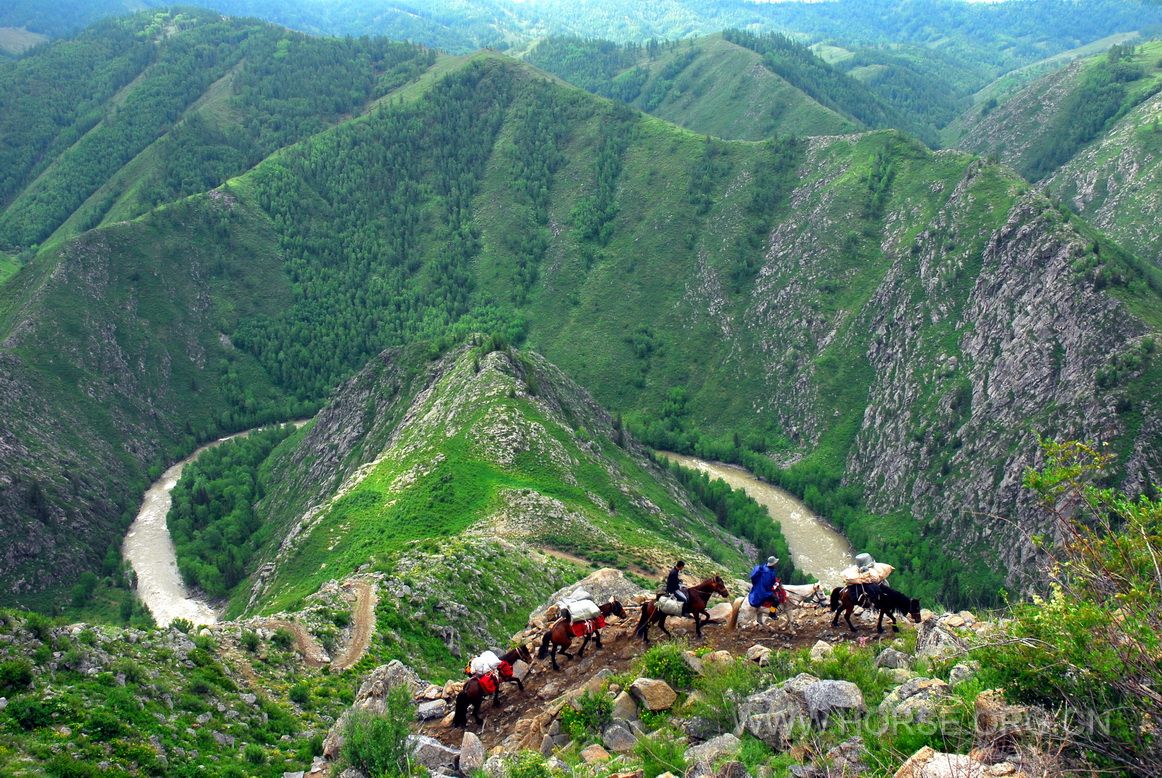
x=220 y=94
x=212 y=520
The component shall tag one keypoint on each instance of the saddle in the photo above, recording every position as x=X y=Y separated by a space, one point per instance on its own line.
x=587 y=627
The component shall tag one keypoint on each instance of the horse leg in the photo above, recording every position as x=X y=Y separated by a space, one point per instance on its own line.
x=847 y=617
x=838 y=610
x=581 y=651
x=662 y=624
x=553 y=657
x=895 y=626
x=476 y=712
x=698 y=623
x=880 y=623
x=496 y=697
x=597 y=638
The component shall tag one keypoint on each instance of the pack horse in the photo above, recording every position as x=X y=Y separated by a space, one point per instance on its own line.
x=580 y=618
x=488 y=672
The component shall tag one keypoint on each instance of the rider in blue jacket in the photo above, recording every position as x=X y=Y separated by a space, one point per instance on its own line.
x=763 y=580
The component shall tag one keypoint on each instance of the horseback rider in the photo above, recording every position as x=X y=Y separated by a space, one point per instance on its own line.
x=764 y=579
x=674 y=585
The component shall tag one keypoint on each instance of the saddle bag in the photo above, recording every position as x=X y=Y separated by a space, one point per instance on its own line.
x=583 y=628
x=488 y=683
x=671 y=606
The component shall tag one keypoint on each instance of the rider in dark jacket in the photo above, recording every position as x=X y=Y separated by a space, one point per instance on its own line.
x=674 y=584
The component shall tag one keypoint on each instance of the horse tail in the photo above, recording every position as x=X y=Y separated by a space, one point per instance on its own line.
x=461 y=717
x=544 y=650
x=644 y=621
x=835 y=598
x=735 y=607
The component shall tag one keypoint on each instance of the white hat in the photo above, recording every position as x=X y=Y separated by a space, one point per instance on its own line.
x=772 y=561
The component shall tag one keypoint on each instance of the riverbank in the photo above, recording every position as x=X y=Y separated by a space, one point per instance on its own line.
x=818 y=548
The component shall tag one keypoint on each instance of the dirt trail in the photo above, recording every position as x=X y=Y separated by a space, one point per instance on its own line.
x=361 y=630
x=544 y=684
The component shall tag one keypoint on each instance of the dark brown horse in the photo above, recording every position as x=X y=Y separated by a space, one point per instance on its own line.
x=888 y=602
x=560 y=635
x=473 y=693
x=699 y=595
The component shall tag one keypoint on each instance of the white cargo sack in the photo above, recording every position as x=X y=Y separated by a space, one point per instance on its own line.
x=583 y=610
x=576 y=595
x=485 y=663
x=877 y=573
x=671 y=606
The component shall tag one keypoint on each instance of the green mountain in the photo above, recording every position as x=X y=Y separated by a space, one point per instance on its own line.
x=708 y=85
x=141 y=111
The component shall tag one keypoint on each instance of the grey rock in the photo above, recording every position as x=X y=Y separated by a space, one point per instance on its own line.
x=849 y=758
x=224 y=740
x=472 y=754
x=618 y=739
x=826 y=698
x=892 y=659
x=698 y=728
x=732 y=769
x=295 y=774
x=624 y=707
x=432 y=754
x=550 y=743
x=963 y=672
x=714 y=749
x=922 y=700
x=699 y=770
x=435 y=709
x=248 y=698
x=494 y=766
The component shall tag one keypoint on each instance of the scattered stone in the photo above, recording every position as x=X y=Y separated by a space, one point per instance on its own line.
x=520 y=670
x=691 y=660
x=1001 y=726
x=759 y=653
x=821 y=650
x=618 y=739
x=3 y=703
x=732 y=769
x=963 y=672
x=224 y=740
x=718 y=658
x=435 y=709
x=934 y=641
x=432 y=754
x=494 y=766
x=922 y=700
x=929 y=763
x=698 y=728
x=714 y=749
x=721 y=612
x=594 y=753
x=653 y=694
x=248 y=698
x=471 y=754
x=624 y=707
x=899 y=674
x=825 y=698
x=848 y=758
x=550 y=743
x=699 y=770
x=295 y=774
x=891 y=659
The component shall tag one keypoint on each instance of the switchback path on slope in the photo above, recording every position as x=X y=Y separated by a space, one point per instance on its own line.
x=362 y=628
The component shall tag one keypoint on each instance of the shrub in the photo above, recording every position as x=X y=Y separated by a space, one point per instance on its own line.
x=15 y=675
x=722 y=687
x=39 y=625
x=250 y=641
x=103 y=725
x=254 y=754
x=30 y=712
x=377 y=744
x=283 y=638
x=664 y=661
x=1088 y=650
x=300 y=694
x=661 y=755
x=182 y=625
x=586 y=721
x=528 y=764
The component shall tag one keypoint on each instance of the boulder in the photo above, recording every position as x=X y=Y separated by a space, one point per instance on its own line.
x=718 y=658
x=432 y=754
x=821 y=650
x=1000 y=726
x=494 y=766
x=618 y=739
x=849 y=758
x=899 y=674
x=520 y=670
x=699 y=728
x=963 y=672
x=732 y=769
x=434 y=709
x=929 y=763
x=699 y=770
x=601 y=585
x=693 y=661
x=624 y=708
x=594 y=753
x=891 y=659
x=922 y=700
x=714 y=749
x=550 y=743
x=721 y=612
x=937 y=642
x=774 y=729
x=760 y=654
x=472 y=754
x=826 y=698
x=653 y=694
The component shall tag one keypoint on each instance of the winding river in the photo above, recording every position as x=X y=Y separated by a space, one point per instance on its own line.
x=818 y=549
x=149 y=548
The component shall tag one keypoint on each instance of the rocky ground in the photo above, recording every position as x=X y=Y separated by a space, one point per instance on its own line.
x=783 y=714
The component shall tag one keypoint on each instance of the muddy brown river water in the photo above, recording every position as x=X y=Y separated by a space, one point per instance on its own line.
x=817 y=547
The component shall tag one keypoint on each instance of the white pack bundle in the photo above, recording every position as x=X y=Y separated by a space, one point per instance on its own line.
x=877 y=573
x=671 y=606
x=583 y=610
x=485 y=663
x=572 y=597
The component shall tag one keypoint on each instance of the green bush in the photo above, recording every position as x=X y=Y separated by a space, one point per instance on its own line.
x=300 y=694
x=377 y=744
x=30 y=712
x=182 y=625
x=586 y=721
x=104 y=725
x=15 y=675
x=664 y=661
x=528 y=764
x=39 y=625
x=254 y=754
x=250 y=641
x=722 y=687
x=283 y=638
x=661 y=755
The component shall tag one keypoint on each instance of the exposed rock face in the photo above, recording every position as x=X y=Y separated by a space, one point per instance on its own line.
x=653 y=694
x=828 y=698
x=601 y=584
x=922 y=700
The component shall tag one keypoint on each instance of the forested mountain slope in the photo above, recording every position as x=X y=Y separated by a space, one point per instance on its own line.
x=1091 y=134
x=902 y=324
x=140 y=111
x=707 y=85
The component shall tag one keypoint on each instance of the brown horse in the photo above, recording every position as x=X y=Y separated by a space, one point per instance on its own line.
x=560 y=635
x=889 y=602
x=699 y=595
x=473 y=694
